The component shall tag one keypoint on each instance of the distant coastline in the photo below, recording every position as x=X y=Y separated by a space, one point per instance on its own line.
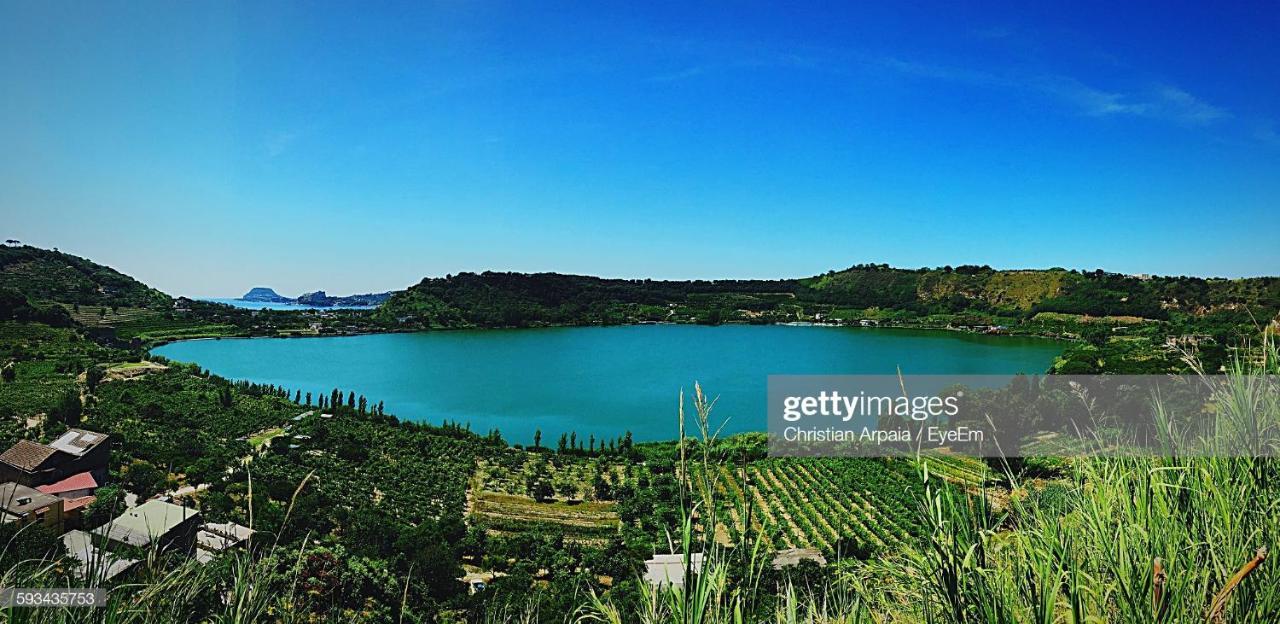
x=274 y=305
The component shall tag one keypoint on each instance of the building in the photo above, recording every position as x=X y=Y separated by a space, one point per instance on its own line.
x=87 y=450
x=24 y=505
x=479 y=581
x=32 y=463
x=664 y=569
x=29 y=463
x=155 y=523
x=93 y=564
x=77 y=485
x=214 y=538
x=73 y=511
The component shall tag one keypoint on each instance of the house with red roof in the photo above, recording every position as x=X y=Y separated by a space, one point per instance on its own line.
x=77 y=485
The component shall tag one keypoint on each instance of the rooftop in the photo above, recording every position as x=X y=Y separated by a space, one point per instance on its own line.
x=19 y=500
x=147 y=522
x=72 y=504
x=27 y=455
x=97 y=564
x=79 y=481
x=221 y=536
x=78 y=441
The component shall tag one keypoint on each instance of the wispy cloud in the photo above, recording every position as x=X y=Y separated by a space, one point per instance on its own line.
x=1163 y=102
x=1176 y=104
x=1086 y=99
x=1159 y=101
x=682 y=74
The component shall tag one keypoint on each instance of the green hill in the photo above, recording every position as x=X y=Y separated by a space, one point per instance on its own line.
x=50 y=275
x=515 y=299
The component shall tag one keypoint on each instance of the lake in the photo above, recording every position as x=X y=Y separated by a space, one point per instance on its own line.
x=597 y=380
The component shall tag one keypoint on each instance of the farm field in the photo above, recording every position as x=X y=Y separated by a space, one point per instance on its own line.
x=106 y=316
x=852 y=506
x=573 y=496
x=580 y=521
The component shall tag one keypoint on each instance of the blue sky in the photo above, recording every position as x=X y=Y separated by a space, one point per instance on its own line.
x=206 y=148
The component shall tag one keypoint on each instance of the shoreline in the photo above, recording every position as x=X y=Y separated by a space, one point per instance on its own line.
x=929 y=328
x=923 y=333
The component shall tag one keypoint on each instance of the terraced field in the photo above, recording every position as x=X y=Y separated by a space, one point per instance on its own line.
x=578 y=521
x=98 y=316
x=501 y=499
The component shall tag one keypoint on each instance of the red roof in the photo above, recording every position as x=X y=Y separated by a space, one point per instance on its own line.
x=76 y=503
x=81 y=481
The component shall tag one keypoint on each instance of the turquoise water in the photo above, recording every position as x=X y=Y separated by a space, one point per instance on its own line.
x=596 y=380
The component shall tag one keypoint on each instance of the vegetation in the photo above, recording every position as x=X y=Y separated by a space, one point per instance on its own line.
x=50 y=275
x=869 y=291
x=363 y=518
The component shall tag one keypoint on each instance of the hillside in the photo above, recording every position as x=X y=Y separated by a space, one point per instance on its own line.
x=515 y=299
x=50 y=275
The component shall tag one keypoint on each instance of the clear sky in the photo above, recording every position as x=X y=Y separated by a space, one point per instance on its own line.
x=209 y=147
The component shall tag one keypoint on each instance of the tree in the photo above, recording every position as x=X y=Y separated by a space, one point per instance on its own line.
x=428 y=549
x=537 y=438
x=109 y=503
x=143 y=478
x=308 y=399
x=564 y=442
x=68 y=409
x=93 y=376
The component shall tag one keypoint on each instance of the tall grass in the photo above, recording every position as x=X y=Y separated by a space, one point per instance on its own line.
x=1137 y=539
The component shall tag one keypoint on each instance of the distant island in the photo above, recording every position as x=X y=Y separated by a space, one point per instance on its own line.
x=319 y=299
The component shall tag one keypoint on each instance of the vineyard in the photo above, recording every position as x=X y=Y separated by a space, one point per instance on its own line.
x=849 y=505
